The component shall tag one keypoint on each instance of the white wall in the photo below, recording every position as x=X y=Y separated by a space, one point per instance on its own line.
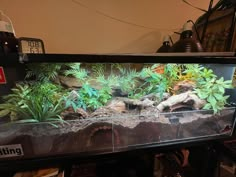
x=67 y=27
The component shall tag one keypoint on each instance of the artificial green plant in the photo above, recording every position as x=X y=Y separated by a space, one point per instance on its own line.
x=28 y=103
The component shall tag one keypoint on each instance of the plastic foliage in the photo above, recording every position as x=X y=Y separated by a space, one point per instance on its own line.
x=76 y=71
x=43 y=72
x=213 y=91
x=23 y=105
x=128 y=79
x=157 y=81
x=208 y=87
x=88 y=98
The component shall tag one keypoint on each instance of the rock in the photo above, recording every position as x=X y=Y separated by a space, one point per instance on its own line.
x=69 y=82
x=104 y=112
x=117 y=105
x=135 y=103
x=147 y=103
x=70 y=114
x=149 y=111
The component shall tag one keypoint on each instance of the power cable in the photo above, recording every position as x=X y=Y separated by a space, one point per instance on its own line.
x=185 y=1
x=120 y=20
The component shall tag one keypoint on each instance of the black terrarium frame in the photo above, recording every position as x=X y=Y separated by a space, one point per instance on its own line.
x=120 y=132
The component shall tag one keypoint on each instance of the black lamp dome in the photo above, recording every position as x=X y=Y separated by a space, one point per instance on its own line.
x=187 y=43
x=165 y=45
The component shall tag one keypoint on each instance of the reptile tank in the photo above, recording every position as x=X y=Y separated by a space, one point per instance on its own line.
x=56 y=104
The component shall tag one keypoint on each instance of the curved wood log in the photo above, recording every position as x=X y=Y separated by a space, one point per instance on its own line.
x=187 y=97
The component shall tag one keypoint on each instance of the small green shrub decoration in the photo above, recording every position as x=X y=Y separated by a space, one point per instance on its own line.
x=29 y=104
x=52 y=91
x=213 y=91
x=89 y=98
x=99 y=74
x=155 y=82
x=76 y=71
x=105 y=95
x=44 y=71
x=127 y=80
x=197 y=73
x=13 y=102
x=208 y=87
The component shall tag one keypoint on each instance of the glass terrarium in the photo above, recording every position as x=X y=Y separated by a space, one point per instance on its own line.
x=71 y=104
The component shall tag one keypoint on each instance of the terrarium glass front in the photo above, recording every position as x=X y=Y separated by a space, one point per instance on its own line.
x=63 y=108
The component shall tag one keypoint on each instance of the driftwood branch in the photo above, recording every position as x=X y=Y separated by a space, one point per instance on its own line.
x=187 y=97
x=135 y=102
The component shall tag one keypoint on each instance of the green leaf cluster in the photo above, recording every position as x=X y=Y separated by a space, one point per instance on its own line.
x=120 y=76
x=89 y=98
x=43 y=72
x=213 y=91
x=109 y=81
x=135 y=84
x=208 y=87
x=155 y=82
x=32 y=104
x=127 y=79
x=76 y=71
x=46 y=72
x=197 y=73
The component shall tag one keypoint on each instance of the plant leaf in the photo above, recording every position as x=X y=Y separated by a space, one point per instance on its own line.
x=4 y=112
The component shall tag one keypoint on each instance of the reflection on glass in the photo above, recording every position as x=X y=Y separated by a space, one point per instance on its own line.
x=88 y=107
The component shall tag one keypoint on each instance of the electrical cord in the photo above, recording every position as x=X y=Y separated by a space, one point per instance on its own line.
x=120 y=20
x=195 y=28
x=186 y=2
